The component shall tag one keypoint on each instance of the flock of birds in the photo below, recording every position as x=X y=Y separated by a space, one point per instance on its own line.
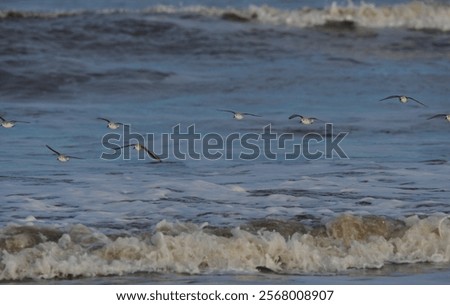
x=310 y=120
x=236 y=115
x=64 y=158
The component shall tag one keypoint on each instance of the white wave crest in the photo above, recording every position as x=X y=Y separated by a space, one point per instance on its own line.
x=350 y=242
x=412 y=15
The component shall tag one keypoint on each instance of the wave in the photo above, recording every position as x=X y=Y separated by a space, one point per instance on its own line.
x=412 y=15
x=286 y=247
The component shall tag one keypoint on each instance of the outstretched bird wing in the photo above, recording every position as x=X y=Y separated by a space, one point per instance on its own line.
x=152 y=154
x=53 y=150
x=389 y=97
x=231 y=111
x=437 y=116
x=72 y=157
x=106 y=120
x=413 y=99
x=251 y=114
x=295 y=116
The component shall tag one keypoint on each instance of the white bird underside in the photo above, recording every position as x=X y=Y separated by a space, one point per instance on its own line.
x=61 y=157
x=239 y=115
x=403 y=99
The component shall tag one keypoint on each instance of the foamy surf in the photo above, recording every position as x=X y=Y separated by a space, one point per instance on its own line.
x=343 y=243
x=412 y=15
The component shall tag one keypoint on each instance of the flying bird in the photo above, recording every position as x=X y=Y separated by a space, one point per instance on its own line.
x=139 y=147
x=10 y=124
x=442 y=116
x=403 y=99
x=111 y=124
x=239 y=115
x=303 y=119
x=61 y=157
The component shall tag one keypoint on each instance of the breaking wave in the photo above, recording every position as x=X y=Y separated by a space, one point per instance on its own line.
x=412 y=15
x=287 y=247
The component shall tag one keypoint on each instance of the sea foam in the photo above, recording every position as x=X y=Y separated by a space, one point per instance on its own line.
x=343 y=243
x=412 y=15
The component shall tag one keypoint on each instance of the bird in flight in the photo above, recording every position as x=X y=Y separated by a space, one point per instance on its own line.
x=239 y=115
x=111 y=124
x=61 y=157
x=403 y=99
x=303 y=119
x=442 y=116
x=139 y=147
x=10 y=124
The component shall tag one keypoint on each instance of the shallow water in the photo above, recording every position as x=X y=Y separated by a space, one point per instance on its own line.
x=378 y=213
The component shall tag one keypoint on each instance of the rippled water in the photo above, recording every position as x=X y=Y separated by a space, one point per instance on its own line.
x=378 y=214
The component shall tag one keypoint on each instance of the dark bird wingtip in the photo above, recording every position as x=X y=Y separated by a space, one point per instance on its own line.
x=226 y=110
x=52 y=149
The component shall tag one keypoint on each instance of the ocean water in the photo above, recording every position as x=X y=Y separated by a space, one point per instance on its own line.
x=366 y=201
